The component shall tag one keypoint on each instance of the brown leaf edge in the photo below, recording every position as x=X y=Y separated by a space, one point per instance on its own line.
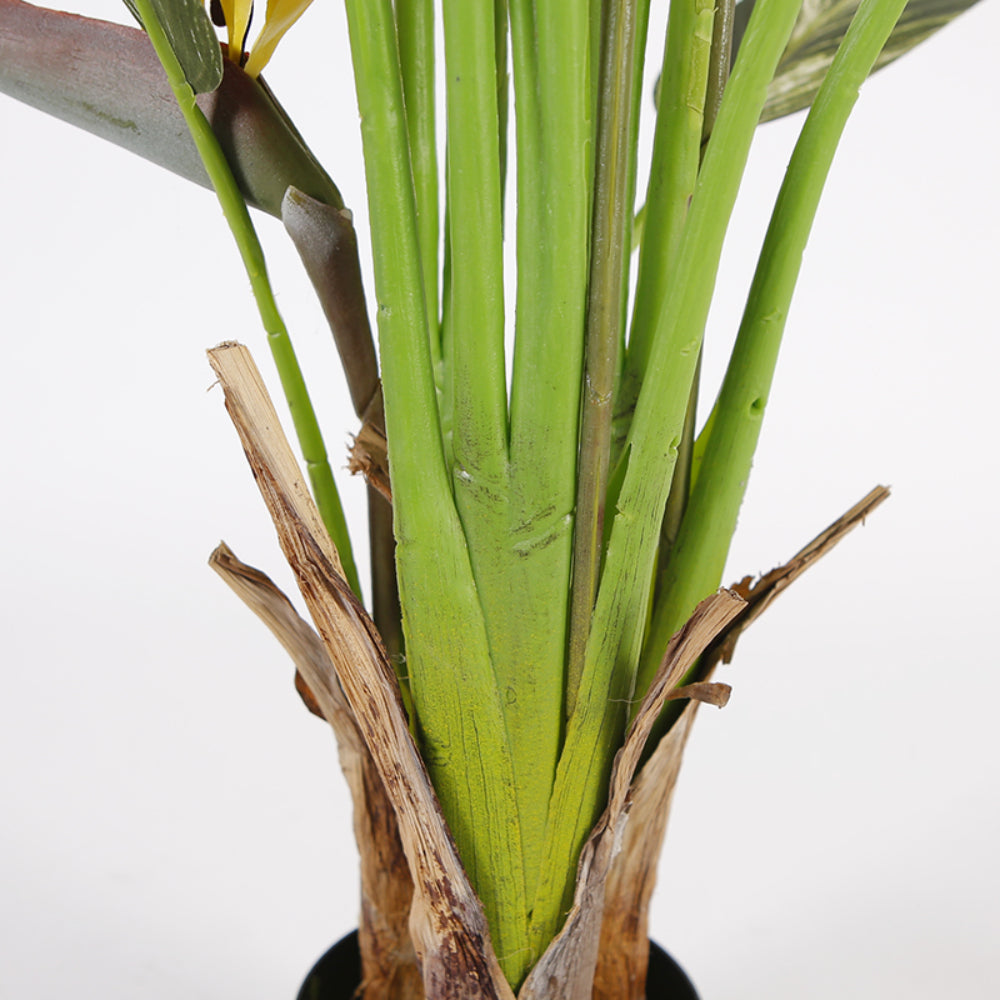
x=389 y=969
x=759 y=595
x=447 y=925
x=624 y=952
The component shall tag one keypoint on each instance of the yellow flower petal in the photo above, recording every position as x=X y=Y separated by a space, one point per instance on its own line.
x=237 y=14
x=281 y=15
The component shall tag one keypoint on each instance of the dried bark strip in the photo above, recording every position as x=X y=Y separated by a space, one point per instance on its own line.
x=296 y=636
x=389 y=968
x=446 y=921
x=567 y=968
x=370 y=458
x=624 y=953
x=327 y=243
x=706 y=692
x=759 y=595
x=624 y=949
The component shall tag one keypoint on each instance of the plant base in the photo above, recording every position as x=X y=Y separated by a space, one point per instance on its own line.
x=338 y=972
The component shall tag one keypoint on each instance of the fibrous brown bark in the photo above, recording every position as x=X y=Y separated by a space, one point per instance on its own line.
x=388 y=961
x=447 y=926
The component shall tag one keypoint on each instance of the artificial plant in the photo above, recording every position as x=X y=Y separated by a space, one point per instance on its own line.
x=551 y=534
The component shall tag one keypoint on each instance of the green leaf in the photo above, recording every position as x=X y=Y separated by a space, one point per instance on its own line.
x=114 y=87
x=818 y=32
x=192 y=38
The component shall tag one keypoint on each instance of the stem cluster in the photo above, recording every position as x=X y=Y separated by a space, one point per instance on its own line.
x=554 y=532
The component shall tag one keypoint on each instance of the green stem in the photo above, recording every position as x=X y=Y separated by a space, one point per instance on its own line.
x=550 y=44
x=673 y=175
x=415 y=31
x=460 y=718
x=235 y=210
x=696 y=567
x=522 y=550
x=650 y=452
x=680 y=486
x=500 y=33
x=680 y=483
x=605 y=315
x=475 y=234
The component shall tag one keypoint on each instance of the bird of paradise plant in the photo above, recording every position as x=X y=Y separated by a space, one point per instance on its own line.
x=549 y=526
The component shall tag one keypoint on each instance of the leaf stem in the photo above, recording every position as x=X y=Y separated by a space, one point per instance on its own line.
x=680 y=486
x=460 y=718
x=415 y=31
x=673 y=175
x=551 y=49
x=609 y=256
x=703 y=543
x=235 y=210
x=475 y=234
x=650 y=452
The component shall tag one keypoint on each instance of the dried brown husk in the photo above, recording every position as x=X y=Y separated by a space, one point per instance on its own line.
x=624 y=952
x=388 y=961
x=447 y=925
x=369 y=458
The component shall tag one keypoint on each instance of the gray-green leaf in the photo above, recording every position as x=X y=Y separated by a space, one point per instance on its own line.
x=193 y=39
x=817 y=35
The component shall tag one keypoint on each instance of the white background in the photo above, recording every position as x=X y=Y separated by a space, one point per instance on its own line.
x=175 y=825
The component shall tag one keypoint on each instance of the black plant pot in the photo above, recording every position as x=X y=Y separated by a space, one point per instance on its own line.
x=337 y=974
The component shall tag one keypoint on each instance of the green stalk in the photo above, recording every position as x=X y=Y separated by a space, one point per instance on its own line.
x=415 y=31
x=598 y=13
x=519 y=520
x=636 y=217
x=616 y=633
x=680 y=486
x=673 y=174
x=459 y=714
x=696 y=567
x=443 y=366
x=235 y=210
x=500 y=32
x=605 y=315
x=475 y=234
x=680 y=482
x=550 y=43
x=474 y=334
